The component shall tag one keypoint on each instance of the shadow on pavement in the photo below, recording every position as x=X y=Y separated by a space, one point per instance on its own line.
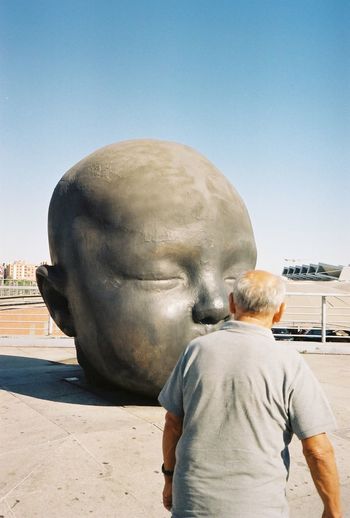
x=62 y=382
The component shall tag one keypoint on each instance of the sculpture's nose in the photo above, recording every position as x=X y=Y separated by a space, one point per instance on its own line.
x=211 y=304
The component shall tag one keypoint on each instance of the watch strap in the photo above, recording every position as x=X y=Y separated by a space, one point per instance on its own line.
x=167 y=472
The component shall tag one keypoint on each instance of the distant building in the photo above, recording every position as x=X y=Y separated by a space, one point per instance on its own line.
x=20 y=270
x=317 y=272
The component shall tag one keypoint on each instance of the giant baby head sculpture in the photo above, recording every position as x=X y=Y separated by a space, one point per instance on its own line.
x=146 y=238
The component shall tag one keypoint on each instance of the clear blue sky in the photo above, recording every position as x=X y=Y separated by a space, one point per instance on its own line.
x=262 y=88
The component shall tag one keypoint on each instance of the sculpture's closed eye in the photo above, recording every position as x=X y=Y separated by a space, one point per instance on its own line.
x=164 y=283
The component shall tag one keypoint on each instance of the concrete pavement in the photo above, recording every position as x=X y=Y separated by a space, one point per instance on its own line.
x=69 y=451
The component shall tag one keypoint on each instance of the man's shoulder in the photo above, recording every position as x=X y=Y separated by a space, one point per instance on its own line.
x=251 y=342
x=208 y=340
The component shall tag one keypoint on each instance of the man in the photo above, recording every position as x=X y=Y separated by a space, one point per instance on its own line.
x=233 y=402
x=145 y=239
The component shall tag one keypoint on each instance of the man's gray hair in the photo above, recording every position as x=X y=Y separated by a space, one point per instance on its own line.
x=259 y=297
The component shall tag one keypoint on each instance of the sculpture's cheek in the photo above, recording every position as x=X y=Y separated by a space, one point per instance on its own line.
x=133 y=333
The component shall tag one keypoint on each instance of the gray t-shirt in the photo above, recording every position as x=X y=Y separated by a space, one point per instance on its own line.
x=242 y=396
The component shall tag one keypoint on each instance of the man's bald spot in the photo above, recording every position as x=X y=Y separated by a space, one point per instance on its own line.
x=262 y=278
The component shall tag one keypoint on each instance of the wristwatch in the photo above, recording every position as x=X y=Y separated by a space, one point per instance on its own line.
x=167 y=472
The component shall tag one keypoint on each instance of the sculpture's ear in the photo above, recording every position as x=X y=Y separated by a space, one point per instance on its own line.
x=51 y=285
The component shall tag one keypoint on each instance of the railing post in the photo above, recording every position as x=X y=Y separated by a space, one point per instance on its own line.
x=323 y=319
x=50 y=326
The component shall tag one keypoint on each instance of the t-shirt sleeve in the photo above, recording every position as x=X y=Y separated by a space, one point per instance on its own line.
x=171 y=395
x=309 y=410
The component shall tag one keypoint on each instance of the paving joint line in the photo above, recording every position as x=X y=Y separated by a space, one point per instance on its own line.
x=27 y=447
x=16 y=396
x=16 y=486
x=141 y=418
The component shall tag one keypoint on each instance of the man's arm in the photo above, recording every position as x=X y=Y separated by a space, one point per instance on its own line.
x=319 y=455
x=171 y=435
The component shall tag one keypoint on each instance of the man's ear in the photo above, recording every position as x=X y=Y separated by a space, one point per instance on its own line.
x=50 y=281
x=232 y=304
x=278 y=315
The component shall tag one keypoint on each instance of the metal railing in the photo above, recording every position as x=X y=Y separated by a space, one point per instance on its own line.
x=27 y=314
x=18 y=291
x=325 y=315
x=17 y=282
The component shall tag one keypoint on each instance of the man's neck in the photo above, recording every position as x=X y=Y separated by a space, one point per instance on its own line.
x=263 y=321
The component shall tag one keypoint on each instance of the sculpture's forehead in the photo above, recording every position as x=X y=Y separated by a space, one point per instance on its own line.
x=138 y=195
x=169 y=183
x=150 y=165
